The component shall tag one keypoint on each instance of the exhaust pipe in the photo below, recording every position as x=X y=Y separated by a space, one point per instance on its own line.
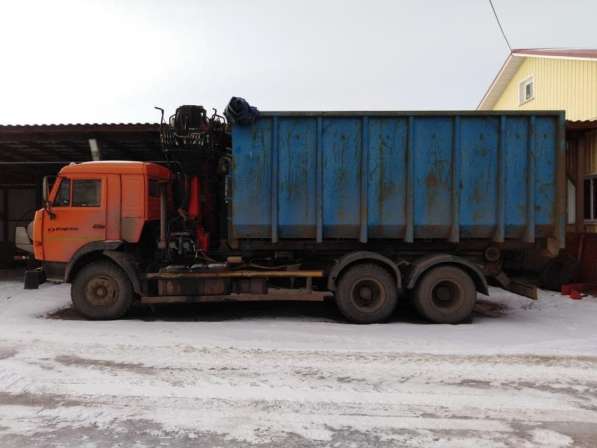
x=163 y=243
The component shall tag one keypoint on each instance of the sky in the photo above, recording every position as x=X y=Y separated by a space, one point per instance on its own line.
x=113 y=61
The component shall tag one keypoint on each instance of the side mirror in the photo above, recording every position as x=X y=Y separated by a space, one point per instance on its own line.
x=46 y=184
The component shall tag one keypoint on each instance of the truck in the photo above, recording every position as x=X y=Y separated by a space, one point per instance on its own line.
x=364 y=208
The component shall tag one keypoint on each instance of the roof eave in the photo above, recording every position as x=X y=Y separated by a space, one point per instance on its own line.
x=483 y=102
x=574 y=54
x=508 y=70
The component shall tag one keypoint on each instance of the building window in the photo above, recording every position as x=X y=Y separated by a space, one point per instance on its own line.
x=86 y=193
x=591 y=199
x=62 y=198
x=526 y=90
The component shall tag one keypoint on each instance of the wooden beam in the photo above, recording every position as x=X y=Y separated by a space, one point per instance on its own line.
x=45 y=147
x=6 y=153
x=580 y=185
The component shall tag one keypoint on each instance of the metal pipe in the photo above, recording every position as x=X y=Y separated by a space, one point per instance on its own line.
x=162 y=243
x=95 y=149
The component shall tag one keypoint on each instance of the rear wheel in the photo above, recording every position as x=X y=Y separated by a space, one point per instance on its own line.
x=445 y=295
x=101 y=290
x=367 y=294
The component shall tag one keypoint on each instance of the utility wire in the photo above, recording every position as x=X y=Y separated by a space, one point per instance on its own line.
x=500 y=25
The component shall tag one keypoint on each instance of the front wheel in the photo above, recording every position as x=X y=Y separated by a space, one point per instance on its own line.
x=445 y=295
x=367 y=294
x=101 y=290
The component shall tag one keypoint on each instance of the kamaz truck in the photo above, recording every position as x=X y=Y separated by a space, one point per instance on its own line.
x=366 y=208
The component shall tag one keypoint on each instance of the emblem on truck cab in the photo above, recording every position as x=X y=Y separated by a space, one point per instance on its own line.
x=62 y=229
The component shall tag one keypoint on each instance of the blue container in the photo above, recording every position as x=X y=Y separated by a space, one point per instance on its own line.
x=399 y=175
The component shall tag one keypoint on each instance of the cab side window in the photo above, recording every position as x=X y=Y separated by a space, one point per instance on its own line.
x=86 y=193
x=63 y=195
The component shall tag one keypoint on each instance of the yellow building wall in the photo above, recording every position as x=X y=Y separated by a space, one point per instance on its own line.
x=559 y=84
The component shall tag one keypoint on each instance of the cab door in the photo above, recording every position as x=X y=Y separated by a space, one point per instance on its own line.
x=77 y=216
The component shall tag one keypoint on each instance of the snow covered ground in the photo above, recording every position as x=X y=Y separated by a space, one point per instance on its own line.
x=522 y=374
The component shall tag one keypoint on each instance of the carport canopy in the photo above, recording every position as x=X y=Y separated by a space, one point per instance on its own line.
x=28 y=152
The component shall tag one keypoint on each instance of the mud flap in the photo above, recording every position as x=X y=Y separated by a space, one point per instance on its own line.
x=33 y=278
x=516 y=286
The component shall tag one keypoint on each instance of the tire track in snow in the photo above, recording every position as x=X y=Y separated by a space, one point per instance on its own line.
x=254 y=395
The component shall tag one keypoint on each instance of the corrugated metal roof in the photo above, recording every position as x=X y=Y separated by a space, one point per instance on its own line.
x=581 y=125
x=79 y=127
x=28 y=125
x=34 y=149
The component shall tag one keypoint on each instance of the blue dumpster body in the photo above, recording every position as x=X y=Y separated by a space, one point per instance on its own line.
x=408 y=176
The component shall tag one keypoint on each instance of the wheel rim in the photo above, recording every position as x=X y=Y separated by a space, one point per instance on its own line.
x=368 y=295
x=102 y=290
x=446 y=294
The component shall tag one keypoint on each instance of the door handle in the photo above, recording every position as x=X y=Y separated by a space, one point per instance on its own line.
x=98 y=226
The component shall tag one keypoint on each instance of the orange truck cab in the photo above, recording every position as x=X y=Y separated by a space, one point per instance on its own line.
x=95 y=205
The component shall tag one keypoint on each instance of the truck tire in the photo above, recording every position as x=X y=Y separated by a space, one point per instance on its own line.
x=445 y=295
x=101 y=290
x=366 y=294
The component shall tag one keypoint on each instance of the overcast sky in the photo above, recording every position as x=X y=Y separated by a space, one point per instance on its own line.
x=112 y=61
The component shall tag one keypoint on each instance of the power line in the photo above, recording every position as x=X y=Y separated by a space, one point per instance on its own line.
x=500 y=25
